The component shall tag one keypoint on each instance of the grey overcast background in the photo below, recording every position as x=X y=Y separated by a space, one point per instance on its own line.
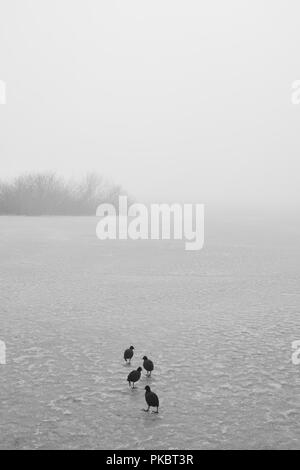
x=175 y=100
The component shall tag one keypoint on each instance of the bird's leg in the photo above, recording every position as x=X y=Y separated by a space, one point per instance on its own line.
x=147 y=410
x=129 y=384
x=156 y=412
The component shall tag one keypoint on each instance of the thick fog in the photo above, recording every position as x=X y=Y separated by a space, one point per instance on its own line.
x=175 y=100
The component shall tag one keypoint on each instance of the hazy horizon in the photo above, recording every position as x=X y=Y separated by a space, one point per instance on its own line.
x=175 y=102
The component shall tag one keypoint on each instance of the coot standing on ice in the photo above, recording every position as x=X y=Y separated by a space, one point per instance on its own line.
x=148 y=365
x=128 y=354
x=134 y=376
x=151 y=399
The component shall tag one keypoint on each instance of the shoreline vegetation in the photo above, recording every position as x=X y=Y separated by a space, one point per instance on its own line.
x=47 y=194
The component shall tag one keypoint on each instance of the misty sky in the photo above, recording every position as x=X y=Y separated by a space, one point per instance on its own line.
x=176 y=100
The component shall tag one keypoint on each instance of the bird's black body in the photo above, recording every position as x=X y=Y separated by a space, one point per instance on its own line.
x=151 y=399
x=134 y=376
x=128 y=354
x=148 y=365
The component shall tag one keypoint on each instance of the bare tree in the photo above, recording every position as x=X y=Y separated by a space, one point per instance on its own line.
x=49 y=194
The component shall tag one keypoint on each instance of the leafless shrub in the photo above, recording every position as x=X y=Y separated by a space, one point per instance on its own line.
x=49 y=194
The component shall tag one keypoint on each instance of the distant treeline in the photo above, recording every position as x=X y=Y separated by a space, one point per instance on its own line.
x=49 y=194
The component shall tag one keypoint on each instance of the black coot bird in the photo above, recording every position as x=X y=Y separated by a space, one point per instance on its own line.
x=134 y=376
x=148 y=365
x=128 y=354
x=151 y=399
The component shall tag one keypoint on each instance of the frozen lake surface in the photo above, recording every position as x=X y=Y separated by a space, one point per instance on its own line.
x=218 y=325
